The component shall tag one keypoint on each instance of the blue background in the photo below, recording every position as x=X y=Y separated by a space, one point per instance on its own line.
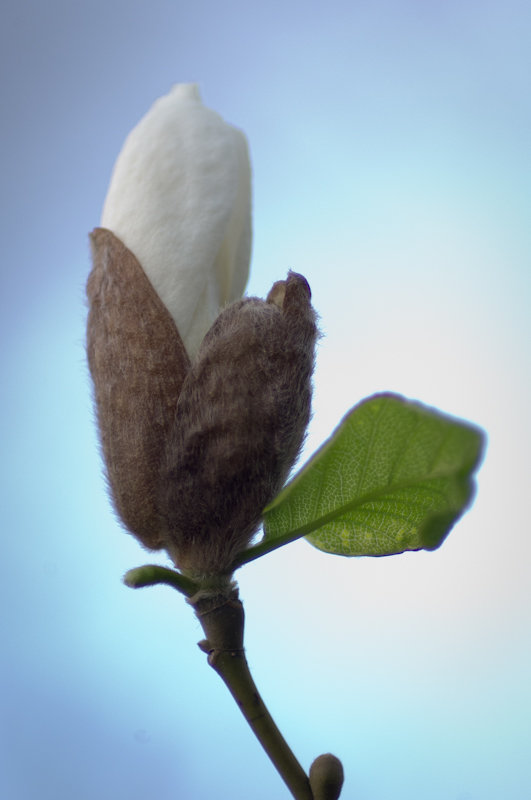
x=391 y=152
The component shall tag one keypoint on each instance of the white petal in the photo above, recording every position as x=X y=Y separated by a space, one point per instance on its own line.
x=180 y=200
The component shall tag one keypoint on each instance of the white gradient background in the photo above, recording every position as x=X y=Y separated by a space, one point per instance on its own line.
x=391 y=146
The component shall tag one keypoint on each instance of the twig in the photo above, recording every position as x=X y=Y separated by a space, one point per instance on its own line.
x=222 y=619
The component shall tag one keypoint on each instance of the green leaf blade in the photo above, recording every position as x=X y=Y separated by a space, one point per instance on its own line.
x=394 y=476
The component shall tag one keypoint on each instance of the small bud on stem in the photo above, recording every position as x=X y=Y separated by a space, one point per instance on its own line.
x=326 y=777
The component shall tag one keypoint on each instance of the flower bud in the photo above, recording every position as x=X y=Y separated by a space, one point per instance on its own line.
x=198 y=431
x=326 y=777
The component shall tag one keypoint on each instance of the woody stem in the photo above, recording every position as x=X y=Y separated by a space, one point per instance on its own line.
x=222 y=620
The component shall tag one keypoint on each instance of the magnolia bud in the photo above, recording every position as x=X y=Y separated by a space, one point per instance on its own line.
x=198 y=431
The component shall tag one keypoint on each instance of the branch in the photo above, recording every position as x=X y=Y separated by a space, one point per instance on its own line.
x=222 y=620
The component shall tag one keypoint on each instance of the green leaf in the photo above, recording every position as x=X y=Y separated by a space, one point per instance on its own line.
x=394 y=476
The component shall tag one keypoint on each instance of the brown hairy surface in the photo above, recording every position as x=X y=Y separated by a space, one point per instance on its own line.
x=239 y=425
x=194 y=452
x=138 y=364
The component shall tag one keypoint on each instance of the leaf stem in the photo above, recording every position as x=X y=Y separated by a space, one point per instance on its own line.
x=265 y=546
x=152 y=574
x=222 y=619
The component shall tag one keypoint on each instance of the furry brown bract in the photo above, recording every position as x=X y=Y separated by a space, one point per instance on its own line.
x=138 y=364
x=240 y=423
x=194 y=452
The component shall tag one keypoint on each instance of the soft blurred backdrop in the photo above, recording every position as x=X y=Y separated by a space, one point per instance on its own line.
x=391 y=147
